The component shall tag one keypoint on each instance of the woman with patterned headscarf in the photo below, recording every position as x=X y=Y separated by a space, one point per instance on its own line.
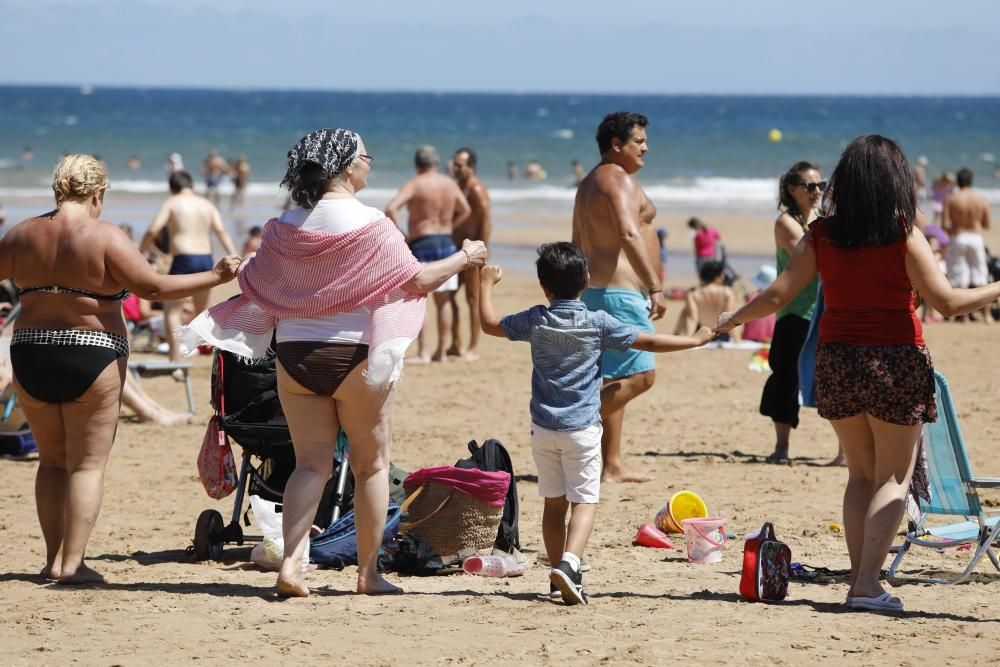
x=336 y=284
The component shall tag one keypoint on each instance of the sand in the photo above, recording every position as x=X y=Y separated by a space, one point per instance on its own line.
x=697 y=428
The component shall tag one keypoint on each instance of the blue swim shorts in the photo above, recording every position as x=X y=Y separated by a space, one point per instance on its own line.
x=184 y=264
x=433 y=247
x=630 y=307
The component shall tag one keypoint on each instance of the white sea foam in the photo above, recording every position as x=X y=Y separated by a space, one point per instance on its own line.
x=705 y=192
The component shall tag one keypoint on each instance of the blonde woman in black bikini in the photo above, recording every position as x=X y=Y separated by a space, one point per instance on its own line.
x=69 y=349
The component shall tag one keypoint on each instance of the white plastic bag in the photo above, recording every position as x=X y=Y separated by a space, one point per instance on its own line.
x=268 y=554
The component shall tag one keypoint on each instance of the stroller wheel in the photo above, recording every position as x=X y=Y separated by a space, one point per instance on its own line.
x=208 y=536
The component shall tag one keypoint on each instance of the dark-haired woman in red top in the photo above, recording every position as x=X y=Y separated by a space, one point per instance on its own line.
x=874 y=378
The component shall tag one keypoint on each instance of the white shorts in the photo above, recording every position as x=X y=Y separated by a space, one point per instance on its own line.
x=967 y=260
x=568 y=463
x=450 y=285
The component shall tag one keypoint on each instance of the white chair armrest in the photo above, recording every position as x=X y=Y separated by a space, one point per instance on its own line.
x=985 y=482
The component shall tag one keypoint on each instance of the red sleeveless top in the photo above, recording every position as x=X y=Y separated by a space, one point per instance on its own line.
x=868 y=297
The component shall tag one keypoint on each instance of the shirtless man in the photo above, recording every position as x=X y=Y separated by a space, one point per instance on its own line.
x=708 y=301
x=612 y=225
x=966 y=215
x=477 y=227
x=190 y=220
x=435 y=207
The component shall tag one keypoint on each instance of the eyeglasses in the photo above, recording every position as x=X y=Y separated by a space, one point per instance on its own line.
x=813 y=187
x=367 y=158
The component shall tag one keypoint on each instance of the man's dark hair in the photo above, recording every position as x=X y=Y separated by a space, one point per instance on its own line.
x=873 y=201
x=618 y=124
x=695 y=223
x=964 y=177
x=180 y=180
x=710 y=270
x=562 y=269
x=471 y=153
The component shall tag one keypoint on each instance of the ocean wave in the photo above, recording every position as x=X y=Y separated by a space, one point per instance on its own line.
x=707 y=192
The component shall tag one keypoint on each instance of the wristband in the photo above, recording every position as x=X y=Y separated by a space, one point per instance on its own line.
x=468 y=257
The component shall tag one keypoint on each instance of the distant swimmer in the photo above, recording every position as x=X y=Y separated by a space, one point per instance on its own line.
x=191 y=221
x=577 y=169
x=534 y=172
x=240 y=171
x=612 y=225
x=435 y=207
x=511 y=170
x=174 y=163
x=477 y=227
x=965 y=216
x=214 y=169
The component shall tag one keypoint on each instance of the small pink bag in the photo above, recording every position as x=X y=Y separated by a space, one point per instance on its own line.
x=216 y=466
x=215 y=461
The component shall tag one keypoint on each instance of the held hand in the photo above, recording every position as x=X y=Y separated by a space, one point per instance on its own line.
x=657 y=305
x=226 y=268
x=704 y=335
x=490 y=274
x=476 y=250
x=726 y=323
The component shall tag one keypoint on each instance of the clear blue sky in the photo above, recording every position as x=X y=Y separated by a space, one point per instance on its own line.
x=642 y=46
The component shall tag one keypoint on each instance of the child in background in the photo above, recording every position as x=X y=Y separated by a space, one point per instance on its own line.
x=567 y=342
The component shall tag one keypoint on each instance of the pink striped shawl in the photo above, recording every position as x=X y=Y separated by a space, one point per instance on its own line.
x=304 y=273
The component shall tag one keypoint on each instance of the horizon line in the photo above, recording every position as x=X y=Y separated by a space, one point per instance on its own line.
x=449 y=91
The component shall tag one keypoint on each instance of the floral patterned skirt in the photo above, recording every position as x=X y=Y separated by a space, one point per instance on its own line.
x=891 y=383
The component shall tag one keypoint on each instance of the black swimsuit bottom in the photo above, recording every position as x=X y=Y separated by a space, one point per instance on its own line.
x=320 y=367
x=58 y=366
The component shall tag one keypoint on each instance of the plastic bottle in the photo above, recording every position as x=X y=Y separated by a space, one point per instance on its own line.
x=497 y=565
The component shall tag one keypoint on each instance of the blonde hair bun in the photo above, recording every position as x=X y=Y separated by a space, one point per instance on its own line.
x=78 y=177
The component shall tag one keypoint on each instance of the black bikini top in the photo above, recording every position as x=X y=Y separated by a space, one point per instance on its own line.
x=58 y=289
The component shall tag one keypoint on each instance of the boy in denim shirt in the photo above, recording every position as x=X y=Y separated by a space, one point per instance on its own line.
x=567 y=342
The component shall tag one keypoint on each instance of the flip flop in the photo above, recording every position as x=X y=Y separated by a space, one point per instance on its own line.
x=883 y=602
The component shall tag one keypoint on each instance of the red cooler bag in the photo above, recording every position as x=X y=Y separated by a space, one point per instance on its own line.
x=766 y=564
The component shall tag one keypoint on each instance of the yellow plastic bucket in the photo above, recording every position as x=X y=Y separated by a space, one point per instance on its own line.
x=682 y=505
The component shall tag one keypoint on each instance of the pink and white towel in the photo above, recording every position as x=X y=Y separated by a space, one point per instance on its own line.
x=303 y=273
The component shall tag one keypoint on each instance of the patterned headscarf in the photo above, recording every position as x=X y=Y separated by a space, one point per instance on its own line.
x=331 y=149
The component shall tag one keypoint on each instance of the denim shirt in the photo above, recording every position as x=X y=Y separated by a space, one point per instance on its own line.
x=567 y=342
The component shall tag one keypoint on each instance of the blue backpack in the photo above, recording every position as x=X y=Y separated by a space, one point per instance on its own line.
x=337 y=546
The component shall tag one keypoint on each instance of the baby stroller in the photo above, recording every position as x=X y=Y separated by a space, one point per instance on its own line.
x=246 y=396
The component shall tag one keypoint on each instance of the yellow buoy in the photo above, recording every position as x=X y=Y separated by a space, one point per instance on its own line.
x=774 y=135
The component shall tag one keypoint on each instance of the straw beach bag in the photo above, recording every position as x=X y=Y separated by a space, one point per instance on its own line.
x=453 y=509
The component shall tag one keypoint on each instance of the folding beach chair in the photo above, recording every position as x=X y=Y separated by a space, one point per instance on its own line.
x=954 y=492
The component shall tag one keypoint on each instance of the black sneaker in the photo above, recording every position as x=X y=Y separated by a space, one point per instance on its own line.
x=570 y=582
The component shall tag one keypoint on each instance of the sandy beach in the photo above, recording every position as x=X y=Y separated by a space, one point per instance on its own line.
x=696 y=429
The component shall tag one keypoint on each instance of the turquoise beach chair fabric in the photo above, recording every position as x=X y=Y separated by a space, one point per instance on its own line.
x=954 y=492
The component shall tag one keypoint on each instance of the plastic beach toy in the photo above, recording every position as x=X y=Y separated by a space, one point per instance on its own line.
x=706 y=538
x=651 y=536
x=682 y=505
x=497 y=565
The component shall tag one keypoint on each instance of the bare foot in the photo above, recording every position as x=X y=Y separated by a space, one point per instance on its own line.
x=419 y=359
x=453 y=352
x=471 y=355
x=83 y=575
x=625 y=477
x=50 y=572
x=838 y=460
x=377 y=586
x=439 y=357
x=168 y=418
x=291 y=587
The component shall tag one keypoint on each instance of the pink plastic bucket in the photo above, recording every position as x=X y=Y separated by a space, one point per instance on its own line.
x=706 y=538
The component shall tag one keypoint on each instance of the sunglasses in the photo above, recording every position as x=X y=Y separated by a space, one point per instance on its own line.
x=813 y=187
x=367 y=158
